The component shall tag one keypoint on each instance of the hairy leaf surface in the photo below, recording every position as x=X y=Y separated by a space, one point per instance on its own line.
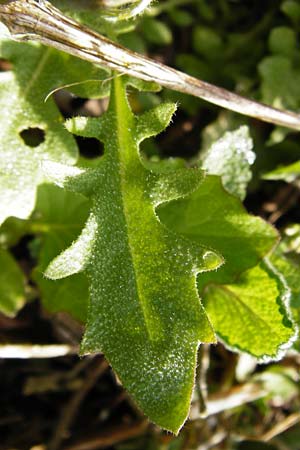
x=145 y=313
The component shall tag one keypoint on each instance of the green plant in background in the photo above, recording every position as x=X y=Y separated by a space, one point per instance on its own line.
x=173 y=260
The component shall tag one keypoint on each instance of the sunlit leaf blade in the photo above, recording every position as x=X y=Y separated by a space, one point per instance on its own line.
x=144 y=313
x=32 y=130
x=12 y=285
x=251 y=315
x=59 y=216
x=213 y=217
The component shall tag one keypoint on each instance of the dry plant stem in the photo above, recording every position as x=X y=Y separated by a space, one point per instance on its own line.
x=288 y=200
x=201 y=379
x=216 y=439
x=279 y=428
x=30 y=351
x=232 y=398
x=71 y=409
x=111 y=437
x=40 y=21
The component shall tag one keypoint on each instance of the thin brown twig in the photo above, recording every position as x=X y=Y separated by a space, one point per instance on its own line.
x=279 y=428
x=289 y=199
x=40 y=21
x=214 y=440
x=70 y=411
x=230 y=399
x=111 y=437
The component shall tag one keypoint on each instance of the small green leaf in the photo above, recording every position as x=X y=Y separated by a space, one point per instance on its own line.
x=156 y=32
x=288 y=173
x=280 y=76
x=134 y=41
x=283 y=41
x=251 y=314
x=59 y=216
x=144 y=312
x=11 y=232
x=231 y=158
x=194 y=66
x=292 y=9
x=181 y=17
x=280 y=82
x=12 y=285
x=207 y=42
x=206 y=11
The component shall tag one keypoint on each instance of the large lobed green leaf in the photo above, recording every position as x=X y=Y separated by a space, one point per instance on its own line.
x=35 y=72
x=144 y=312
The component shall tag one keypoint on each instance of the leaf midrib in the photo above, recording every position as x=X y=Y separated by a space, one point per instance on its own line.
x=121 y=118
